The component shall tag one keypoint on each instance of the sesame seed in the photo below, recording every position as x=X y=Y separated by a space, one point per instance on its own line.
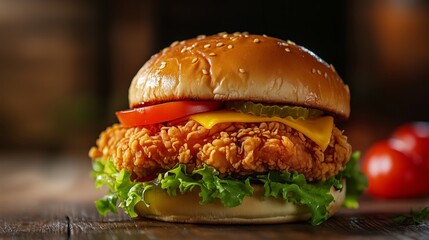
x=219 y=44
x=319 y=72
x=174 y=43
x=205 y=72
x=241 y=70
x=332 y=68
x=212 y=54
x=234 y=38
x=183 y=50
x=264 y=35
x=225 y=36
x=256 y=40
x=162 y=65
x=182 y=42
x=313 y=70
x=284 y=44
x=221 y=33
x=325 y=75
x=290 y=42
x=194 y=45
x=230 y=46
x=207 y=45
x=245 y=33
x=201 y=37
x=237 y=34
x=287 y=49
x=194 y=60
x=165 y=49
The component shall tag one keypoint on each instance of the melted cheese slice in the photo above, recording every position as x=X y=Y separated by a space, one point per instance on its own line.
x=319 y=129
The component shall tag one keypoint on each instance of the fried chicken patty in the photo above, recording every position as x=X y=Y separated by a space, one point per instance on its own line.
x=231 y=148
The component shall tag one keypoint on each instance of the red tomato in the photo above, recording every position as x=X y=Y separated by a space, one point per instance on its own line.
x=413 y=138
x=393 y=174
x=164 y=112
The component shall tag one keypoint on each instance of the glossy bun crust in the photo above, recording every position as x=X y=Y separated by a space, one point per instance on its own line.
x=186 y=208
x=240 y=67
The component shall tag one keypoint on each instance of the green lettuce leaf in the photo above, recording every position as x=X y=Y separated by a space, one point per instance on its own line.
x=292 y=187
x=107 y=204
x=356 y=181
x=230 y=192
x=120 y=188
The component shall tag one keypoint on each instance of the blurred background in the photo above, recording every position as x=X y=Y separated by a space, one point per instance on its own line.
x=65 y=66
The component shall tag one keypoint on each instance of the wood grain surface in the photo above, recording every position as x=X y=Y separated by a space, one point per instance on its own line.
x=83 y=222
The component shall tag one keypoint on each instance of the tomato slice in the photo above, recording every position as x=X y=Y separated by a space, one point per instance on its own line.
x=164 y=112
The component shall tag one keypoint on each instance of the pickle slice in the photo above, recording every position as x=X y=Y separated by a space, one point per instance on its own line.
x=282 y=111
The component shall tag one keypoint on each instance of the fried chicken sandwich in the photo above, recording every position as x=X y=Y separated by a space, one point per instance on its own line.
x=230 y=128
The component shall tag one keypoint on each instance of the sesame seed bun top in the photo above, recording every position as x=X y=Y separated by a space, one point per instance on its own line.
x=240 y=66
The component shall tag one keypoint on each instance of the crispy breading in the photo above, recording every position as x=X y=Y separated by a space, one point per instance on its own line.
x=231 y=148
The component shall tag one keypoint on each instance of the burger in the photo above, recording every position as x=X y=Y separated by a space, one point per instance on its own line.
x=231 y=129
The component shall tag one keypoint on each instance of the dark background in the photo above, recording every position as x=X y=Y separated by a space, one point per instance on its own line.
x=65 y=66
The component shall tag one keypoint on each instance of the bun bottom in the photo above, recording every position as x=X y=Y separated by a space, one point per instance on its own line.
x=185 y=208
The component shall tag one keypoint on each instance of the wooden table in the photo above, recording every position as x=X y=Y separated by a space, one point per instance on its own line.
x=37 y=211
